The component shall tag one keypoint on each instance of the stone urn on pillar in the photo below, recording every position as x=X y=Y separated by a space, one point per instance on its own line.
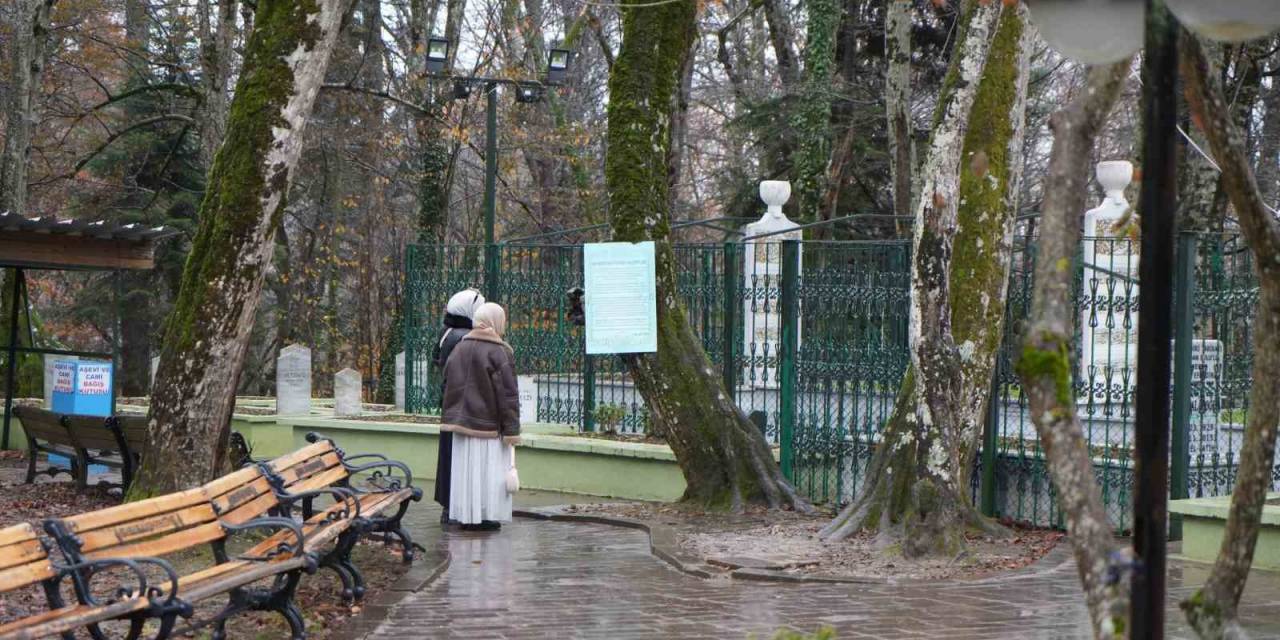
x=761 y=279
x=1108 y=351
x=775 y=193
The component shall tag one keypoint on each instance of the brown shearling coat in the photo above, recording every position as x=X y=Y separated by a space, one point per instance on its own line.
x=482 y=397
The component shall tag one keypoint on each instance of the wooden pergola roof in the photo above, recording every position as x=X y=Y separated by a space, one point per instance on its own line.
x=50 y=243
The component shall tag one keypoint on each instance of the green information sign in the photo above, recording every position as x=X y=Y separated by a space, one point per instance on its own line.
x=621 y=299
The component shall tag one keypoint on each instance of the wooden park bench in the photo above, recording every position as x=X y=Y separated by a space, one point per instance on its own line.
x=46 y=434
x=382 y=497
x=208 y=515
x=25 y=563
x=114 y=441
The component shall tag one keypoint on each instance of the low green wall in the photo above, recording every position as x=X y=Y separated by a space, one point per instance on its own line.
x=548 y=457
x=1204 y=520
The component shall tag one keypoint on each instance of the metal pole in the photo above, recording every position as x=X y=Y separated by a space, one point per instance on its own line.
x=731 y=335
x=1184 y=325
x=990 y=436
x=1158 y=205
x=788 y=354
x=10 y=382
x=490 y=161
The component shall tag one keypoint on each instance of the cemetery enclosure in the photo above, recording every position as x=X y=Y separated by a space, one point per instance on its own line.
x=815 y=337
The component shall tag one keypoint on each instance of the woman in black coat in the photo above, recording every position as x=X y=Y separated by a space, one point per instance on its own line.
x=457 y=323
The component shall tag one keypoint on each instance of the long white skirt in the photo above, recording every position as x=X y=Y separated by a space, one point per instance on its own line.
x=478 y=480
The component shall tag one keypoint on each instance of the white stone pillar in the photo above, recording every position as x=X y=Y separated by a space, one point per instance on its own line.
x=1114 y=261
x=761 y=273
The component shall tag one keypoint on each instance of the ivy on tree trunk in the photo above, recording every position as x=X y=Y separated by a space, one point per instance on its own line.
x=916 y=494
x=207 y=333
x=812 y=121
x=725 y=459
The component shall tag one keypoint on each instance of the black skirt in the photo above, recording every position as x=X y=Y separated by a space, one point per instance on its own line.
x=444 y=468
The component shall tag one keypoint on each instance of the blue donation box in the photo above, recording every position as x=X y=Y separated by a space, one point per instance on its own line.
x=82 y=387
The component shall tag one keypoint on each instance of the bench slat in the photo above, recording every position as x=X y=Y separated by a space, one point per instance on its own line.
x=24 y=552
x=232 y=500
x=90 y=432
x=17 y=533
x=26 y=574
x=256 y=508
x=145 y=528
x=318 y=449
x=67 y=619
x=135 y=510
x=184 y=539
x=230 y=482
x=319 y=481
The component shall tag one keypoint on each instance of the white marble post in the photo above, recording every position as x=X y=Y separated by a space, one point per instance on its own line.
x=400 y=381
x=346 y=393
x=761 y=273
x=293 y=381
x=1107 y=349
x=155 y=364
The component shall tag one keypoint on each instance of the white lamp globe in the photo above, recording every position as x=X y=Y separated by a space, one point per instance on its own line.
x=1228 y=20
x=1091 y=31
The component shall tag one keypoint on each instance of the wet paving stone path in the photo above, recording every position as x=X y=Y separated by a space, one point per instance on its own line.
x=539 y=579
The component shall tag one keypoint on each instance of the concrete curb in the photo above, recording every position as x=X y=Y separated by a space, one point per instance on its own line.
x=664 y=544
x=375 y=611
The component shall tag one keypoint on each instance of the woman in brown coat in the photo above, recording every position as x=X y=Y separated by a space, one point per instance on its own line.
x=482 y=410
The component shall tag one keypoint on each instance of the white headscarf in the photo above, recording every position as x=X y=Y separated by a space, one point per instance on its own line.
x=464 y=303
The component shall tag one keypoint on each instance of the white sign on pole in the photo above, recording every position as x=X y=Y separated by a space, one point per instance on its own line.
x=528 y=390
x=621 y=298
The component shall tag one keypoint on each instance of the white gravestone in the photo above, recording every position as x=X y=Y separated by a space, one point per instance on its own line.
x=528 y=389
x=155 y=364
x=293 y=381
x=761 y=274
x=50 y=376
x=346 y=393
x=1108 y=348
x=1206 y=399
x=400 y=381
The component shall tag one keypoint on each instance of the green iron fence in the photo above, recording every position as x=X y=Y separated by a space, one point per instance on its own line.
x=815 y=334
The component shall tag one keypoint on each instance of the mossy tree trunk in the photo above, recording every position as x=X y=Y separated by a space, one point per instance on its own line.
x=725 y=459
x=812 y=121
x=29 y=50
x=207 y=333
x=1212 y=610
x=1045 y=365
x=917 y=494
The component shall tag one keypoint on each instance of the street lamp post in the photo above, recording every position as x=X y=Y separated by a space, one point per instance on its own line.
x=1158 y=202
x=526 y=92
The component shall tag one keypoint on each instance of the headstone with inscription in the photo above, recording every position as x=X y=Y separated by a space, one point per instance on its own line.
x=400 y=381
x=293 y=381
x=1206 y=400
x=528 y=390
x=346 y=393
x=762 y=277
